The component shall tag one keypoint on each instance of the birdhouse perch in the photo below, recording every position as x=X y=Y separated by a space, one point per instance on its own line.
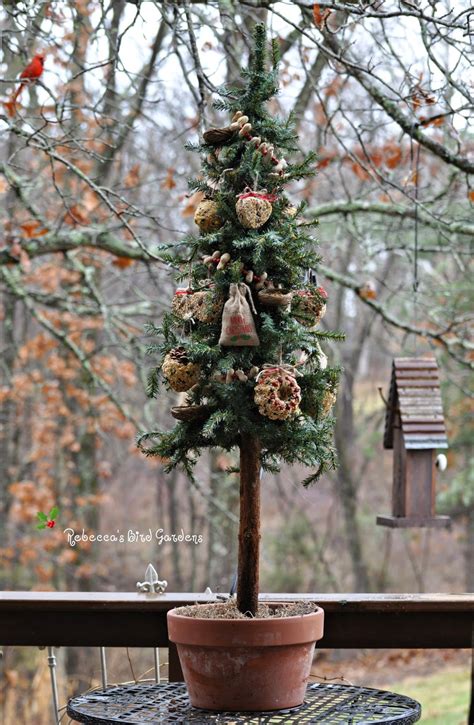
x=414 y=429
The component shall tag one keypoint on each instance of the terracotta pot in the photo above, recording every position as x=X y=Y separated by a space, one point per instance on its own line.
x=246 y=664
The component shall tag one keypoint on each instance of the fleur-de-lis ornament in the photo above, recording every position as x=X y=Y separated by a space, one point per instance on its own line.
x=152 y=583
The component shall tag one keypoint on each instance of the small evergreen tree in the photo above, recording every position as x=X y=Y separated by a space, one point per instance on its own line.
x=255 y=375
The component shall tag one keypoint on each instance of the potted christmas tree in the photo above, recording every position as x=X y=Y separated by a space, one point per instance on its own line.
x=241 y=341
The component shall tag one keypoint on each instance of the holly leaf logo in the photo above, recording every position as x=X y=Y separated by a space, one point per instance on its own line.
x=47 y=521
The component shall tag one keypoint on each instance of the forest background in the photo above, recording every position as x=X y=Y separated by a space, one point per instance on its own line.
x=93 y=178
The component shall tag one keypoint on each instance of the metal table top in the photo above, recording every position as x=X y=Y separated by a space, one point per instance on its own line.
x=330 y=704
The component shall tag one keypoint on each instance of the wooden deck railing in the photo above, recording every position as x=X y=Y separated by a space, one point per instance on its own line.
x=366 y=621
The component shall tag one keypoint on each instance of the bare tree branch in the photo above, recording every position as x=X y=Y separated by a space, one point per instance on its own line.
x=412 y=128
x=357 y=206
x=450 y=342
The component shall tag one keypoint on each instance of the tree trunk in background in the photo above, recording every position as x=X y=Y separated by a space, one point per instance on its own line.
x=221 y=549
x=345 y=439
x=193 y=526
x=170 y=481
x=211 y=523
x=249 y=530
x=228 y=529
x=344 y=435
x=7 y=419
x=469 y=551
x=76 y=659
x=9 y=423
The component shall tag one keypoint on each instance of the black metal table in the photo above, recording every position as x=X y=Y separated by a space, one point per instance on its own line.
x=168 y=703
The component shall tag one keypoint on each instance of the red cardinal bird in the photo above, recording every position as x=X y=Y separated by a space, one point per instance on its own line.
x=30 y=74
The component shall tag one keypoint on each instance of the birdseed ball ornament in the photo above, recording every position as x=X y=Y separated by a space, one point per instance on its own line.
x=180 y=373
x=181 y=303
x=277 y=394
x=254 y=208
x=328 y=400
x=207 y=305
x=203 y=305
x=317 y=403
x=238 y=326
x=206 y=216
x=308 y=306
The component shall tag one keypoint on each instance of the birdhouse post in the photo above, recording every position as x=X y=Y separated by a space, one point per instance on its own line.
x=414 y=429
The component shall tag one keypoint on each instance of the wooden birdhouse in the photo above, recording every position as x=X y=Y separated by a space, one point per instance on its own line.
x=414 y=429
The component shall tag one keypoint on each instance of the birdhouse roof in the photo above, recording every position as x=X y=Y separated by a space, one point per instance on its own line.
x=416 y=395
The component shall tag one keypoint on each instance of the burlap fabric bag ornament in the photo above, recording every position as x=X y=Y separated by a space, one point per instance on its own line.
x=238 y=326
x=277 y=394
x=180 y=373
x=254 y=208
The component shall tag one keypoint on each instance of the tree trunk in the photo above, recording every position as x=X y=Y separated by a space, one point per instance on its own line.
x=8 y=421
x=347 y=491
x=249 y=530
x=469 y=552
x=171 y=482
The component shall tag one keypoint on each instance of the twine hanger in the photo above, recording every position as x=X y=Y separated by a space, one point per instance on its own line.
x=247 y=291
x=283 y=367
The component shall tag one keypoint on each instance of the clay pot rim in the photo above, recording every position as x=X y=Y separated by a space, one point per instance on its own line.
x=272 y=631
x=247 y=619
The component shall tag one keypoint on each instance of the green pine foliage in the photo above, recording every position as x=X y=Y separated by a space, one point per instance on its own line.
x=285 y=249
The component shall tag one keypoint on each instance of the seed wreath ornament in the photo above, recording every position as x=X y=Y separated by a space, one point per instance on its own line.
x=277 y=393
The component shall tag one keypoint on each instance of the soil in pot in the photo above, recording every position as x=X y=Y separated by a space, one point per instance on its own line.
x=236 y=663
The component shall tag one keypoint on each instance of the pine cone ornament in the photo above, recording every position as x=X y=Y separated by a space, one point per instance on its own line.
x=180 y=373
x=277 y=394
x=308 y=306
x=254 y=208
x=207 y=217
